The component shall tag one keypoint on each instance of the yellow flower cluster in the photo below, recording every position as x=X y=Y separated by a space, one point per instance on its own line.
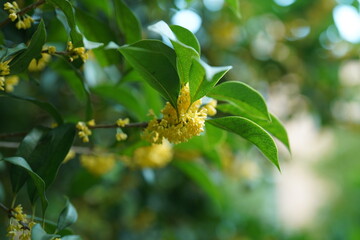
x=4 y=70
x=154 y=156
x=182 y=124
x=37 y=65
x=16 y=228
x=120 y=135
x=84 y=131
x=24 y=21
x=11 y=82
x=98 y=164
x=75 y=53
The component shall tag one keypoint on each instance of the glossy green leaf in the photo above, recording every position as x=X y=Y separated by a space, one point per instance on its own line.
x=183 y=51
x=242 y=96
x=127 y=22
x=71 y=237
x=274 y=126
x=38 y=233
x=68 y=216
x=36 y=179
x=48 y=107
x=204 y=78
x=67 y=8
x=186 y=37
x=22 y=61
x=251 y=132
x=156 y=64
x=200 y=175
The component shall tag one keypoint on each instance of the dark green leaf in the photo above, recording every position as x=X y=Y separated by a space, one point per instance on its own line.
x=251 y=132
x=22 y=61
x=274 y=127
x=67 y=217
x=36 y=179
x=43 y=105
x=68 y=10
x=7 y=52
x=156 y=63
x=200 y=176
x=127 y=22
x=37 y=233
x=204 y=78
x=242 y=96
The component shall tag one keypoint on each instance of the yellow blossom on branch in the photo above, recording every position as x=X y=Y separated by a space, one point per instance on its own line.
x=24 y=21
x=75 y=53
x=20 y=226
x=11 y=82
x=122 y=122
x=84 y=131
x=98 y=164
x=154 y=156
x=4 y=70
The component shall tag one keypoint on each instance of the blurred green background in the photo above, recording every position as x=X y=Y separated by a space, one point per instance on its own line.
x=302 y=55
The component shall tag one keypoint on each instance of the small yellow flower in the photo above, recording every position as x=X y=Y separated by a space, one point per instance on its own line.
x=4 y=68
x=211 y=107
x=10 y=83
x=91 y=123
x=75 y=53
x=24 y=21
x=2 y=83
x=84 y=131
x=122 y=122
x=177 y=125
x=40 y=64
x=70 y=155
x=98 y=164
x=121 y=136
x=51 y=50
x=16 y=228
x=154 y=156
x=13 y=16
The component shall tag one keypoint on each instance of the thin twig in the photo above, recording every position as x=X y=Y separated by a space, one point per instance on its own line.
x=16 y=134
x=23 y=11
x=130 y=125
x=11 y=215
x=3 y=207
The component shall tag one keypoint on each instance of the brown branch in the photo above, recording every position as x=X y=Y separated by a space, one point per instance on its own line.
x=23 y=11
x=130 y=125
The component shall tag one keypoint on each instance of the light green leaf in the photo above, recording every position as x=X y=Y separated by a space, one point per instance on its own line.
x=68 y=216
x=22 y=61
x=204 y=78
x=183 y=51
x=127 y=22
x=71 y=237
x=235 y=7
x=156 y=64
x=251 y=132
x=48 y=107
x=274 y=126
x=242 y=96
x=186 y=37
x=38 y=233
x=36 y=179
x=68 y=10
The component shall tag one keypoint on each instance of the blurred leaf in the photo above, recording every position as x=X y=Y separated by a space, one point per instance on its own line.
x=68 y=216
x=155 y=62
x=38 y=233
x=36 y=179
x=274 y=126
x=251 y=132
x=6 y=52
x=204 y=78
x=242 y=96
x=186 y=37
x=127 y=22
x=22 y=61
x=200 y=176
x=235 y=7
x=68 y=10
x=123 y=96
x=48 y=107
x=71 y=237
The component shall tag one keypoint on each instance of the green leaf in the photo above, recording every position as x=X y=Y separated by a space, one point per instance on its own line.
x=38 y=233
x=123 y=96
x=22 y=61
x=18 y=176
x=156 y=64
x=242 y=96
x=7 y=52
x=36 y=179
x=183 y=52
x=71 y=237
x=204 y=78
x=127 y=22
x=68 y=10
x=48 y=107
x=67 y=217
x=251 y=132
x=201 y=176
x=274 y=126
x=186 y=37
x=235 y=7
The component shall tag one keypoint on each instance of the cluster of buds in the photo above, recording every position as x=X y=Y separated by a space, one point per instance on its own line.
x=20 y=226
x=75 y=53
x=84 y=131
x=120 y=135
x=211 y=107
x=24 y=20
x=4 y=70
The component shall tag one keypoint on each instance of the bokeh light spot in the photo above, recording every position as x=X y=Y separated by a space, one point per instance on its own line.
x=284 y=3
x=187 y=19
x=347 y=20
